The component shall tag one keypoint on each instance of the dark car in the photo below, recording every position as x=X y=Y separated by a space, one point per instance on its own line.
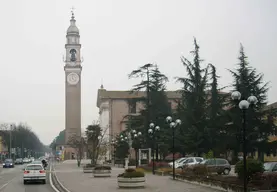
x=217 y=165
x=18 y=161
x=8 y=163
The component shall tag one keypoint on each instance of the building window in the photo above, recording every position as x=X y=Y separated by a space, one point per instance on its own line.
x=132 y=106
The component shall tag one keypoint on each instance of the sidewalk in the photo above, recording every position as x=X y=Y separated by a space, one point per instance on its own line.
x=75 y=180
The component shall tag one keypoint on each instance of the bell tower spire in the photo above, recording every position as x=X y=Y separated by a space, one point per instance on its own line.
x=73 y=46
x=73 y=71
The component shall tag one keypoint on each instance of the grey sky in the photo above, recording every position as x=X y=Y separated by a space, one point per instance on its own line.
x=118 y=36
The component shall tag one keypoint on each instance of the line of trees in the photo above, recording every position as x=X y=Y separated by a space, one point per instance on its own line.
x=23 y=140
x=210 y=119
x=94 y=142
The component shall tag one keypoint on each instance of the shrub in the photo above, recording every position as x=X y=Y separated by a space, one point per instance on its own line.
x=198 y=170
x=103 y=167
x=141 y=169
x=131 y=173
x=252 y=166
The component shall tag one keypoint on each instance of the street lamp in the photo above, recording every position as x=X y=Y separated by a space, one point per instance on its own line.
x=136 y=136
x=114 y=145
x=152 y=130
x=173 y=125
x=244 y=105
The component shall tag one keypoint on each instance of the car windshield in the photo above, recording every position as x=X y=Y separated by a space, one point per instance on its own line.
x=267 y=166
x=34 y=167
x=8 y=161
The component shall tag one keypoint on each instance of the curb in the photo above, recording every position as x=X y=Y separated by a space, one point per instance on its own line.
x=55 y=183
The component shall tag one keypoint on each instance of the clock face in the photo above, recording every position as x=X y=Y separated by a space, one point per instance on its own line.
x=73 y=78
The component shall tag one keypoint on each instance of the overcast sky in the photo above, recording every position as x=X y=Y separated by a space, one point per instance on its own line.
x=118 y=36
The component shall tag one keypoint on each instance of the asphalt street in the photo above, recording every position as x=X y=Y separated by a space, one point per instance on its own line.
x=11 y=180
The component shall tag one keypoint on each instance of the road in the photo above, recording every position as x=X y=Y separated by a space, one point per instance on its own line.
x=11 y=181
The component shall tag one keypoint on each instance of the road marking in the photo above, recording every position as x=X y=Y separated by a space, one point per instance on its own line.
x=3 y=186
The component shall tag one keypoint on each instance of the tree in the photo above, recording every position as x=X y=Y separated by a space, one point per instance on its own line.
x=22 y=138
x=59 y=140
x=216 y=115
x=121 y=149
x=249 y=82
x=156 y=106
x=79 y=144
x=192 y=108
x=97 y=143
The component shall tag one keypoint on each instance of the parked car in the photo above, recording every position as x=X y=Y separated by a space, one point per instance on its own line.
x=217 y=165
x=18 y=161
x=26 y=160
x=178 y=161
x=34 y=172
x=190 y=161
x=8 y=163
x=270 y=167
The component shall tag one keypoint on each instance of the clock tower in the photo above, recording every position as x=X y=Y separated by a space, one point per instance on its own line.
x=73 y=71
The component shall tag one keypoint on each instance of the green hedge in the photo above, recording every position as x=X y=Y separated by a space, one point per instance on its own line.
x=253 y=166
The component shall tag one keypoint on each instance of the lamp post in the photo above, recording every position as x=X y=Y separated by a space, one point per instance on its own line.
x=173 y=125
x=114 y=145
x=136 y=136
x=244 y=105
x=152 y=131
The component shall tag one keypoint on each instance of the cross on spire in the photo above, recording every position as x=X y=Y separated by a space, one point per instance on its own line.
x=72 y=12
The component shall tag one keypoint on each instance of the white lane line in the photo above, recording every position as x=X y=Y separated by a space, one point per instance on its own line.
x=50 y=181
x=3 y=186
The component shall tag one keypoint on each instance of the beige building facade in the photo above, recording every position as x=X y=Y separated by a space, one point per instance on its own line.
x=114 y=106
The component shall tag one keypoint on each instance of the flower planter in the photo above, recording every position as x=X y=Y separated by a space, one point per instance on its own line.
x=134 y=182
x=87 y=169
x=102 y=173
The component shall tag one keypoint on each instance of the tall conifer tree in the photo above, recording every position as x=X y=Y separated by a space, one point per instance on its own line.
x=193 y=106
x=249 y=82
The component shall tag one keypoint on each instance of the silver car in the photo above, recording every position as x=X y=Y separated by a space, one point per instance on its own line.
x=190 y=161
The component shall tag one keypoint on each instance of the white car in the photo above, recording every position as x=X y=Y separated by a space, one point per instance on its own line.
x=191 y=161
x=25 y=160
x=178 y=161
x=34 y=172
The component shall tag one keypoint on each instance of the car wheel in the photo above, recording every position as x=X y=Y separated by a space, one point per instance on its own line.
x=44 y=181
x=24 y=182
x=226 y=171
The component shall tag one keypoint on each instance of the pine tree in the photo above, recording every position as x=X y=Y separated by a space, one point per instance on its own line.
x=156 y=106
x=249 y=82
x=193 y=106
x=216 y=115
